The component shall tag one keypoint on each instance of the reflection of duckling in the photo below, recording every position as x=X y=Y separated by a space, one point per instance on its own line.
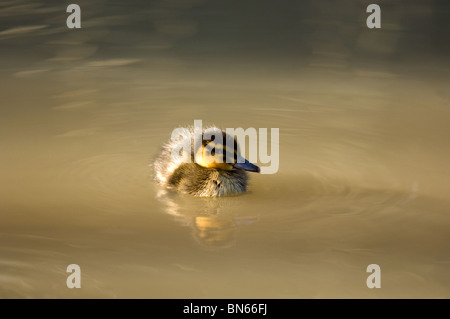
x=214 y=231
x=215 y=223
x=210 y=169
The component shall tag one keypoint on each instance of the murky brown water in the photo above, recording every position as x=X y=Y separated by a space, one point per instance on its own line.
x=364 y=156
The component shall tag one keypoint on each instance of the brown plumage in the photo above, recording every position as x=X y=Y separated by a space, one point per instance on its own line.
x=212 y=169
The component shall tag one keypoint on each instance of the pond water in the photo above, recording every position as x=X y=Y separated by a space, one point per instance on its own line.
x=363 y=150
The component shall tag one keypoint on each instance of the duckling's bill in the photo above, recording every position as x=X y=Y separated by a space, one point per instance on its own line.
x=247 y=166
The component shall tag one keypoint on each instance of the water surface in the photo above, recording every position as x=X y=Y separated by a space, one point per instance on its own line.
x=364 y=157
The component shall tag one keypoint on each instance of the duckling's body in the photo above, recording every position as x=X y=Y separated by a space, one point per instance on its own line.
x=196 y=180
x=201 y=174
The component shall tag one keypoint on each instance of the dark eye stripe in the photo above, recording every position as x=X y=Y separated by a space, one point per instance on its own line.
x=211 y=146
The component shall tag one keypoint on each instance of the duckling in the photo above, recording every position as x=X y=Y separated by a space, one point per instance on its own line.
x=210 y=169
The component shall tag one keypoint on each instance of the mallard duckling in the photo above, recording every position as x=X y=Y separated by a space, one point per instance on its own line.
x=209 y=169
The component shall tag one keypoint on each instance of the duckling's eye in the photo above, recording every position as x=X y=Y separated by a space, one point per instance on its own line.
x=213 y=152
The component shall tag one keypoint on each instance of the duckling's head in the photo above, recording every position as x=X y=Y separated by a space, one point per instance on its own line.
x=219 y=150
